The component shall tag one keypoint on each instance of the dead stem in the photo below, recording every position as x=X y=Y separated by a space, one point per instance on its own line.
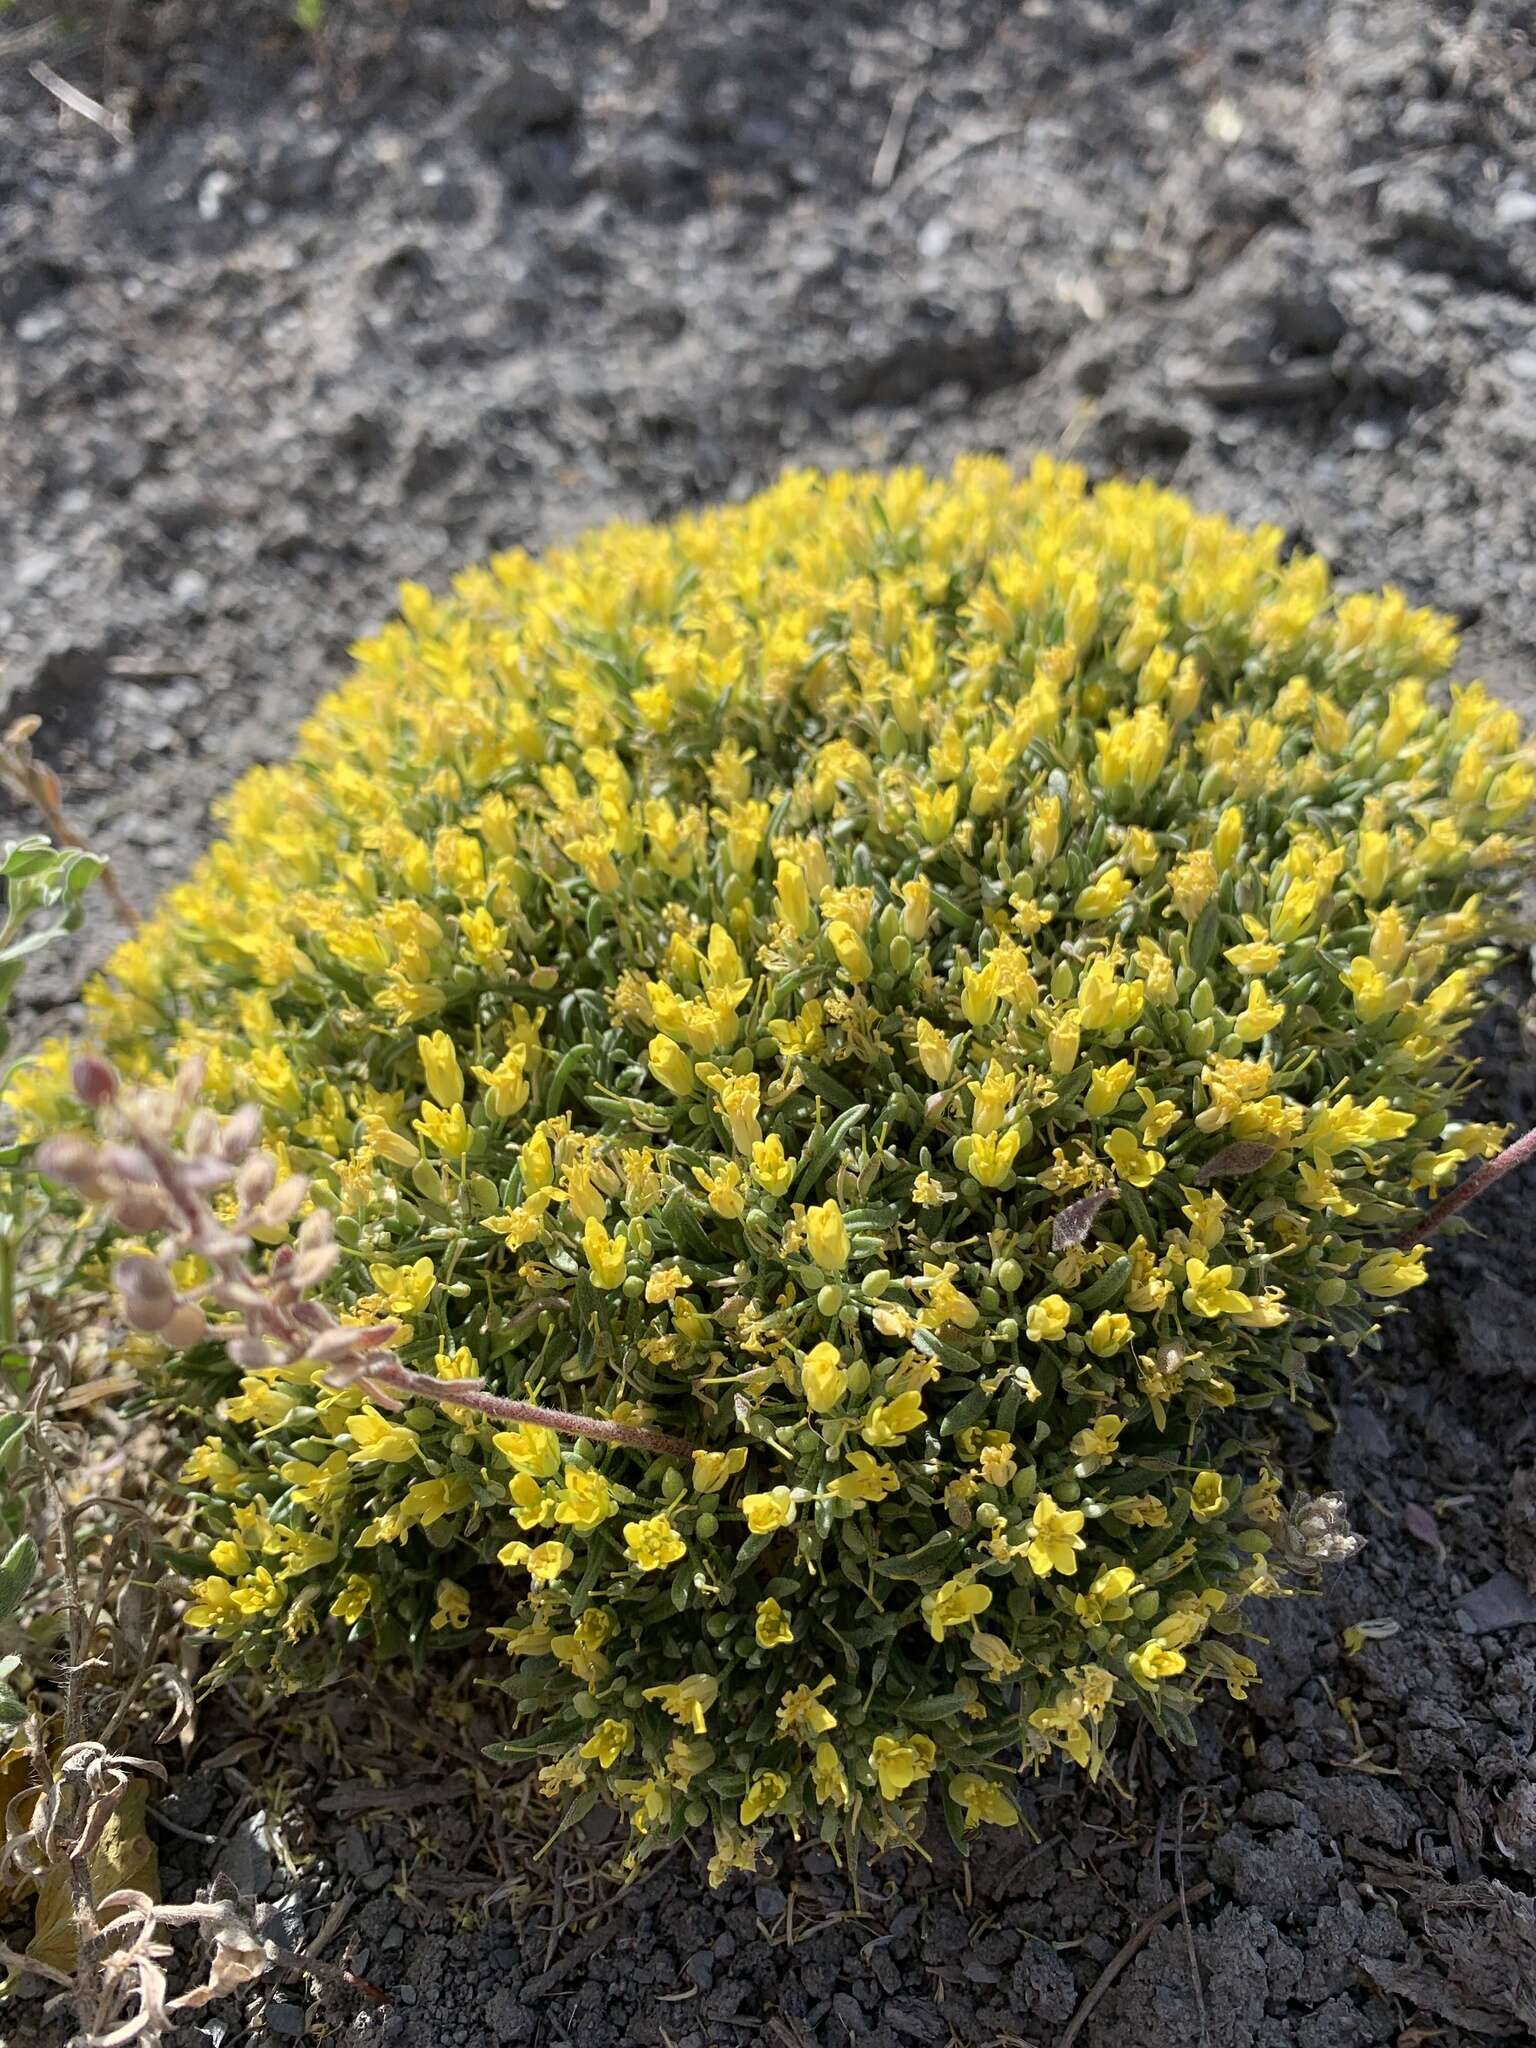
x=1475 y=1184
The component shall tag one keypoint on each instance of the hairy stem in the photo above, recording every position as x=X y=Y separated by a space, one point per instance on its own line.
x=401 y=1380
x=1475 y=1184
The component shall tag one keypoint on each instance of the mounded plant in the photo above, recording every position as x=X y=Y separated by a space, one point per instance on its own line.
x=928 y=998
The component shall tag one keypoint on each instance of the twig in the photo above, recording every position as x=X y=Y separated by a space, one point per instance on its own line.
x=894 y=140
x=81 y=103
x=148 y=1183
x=467 y=1394
x=1123 y=1955
x=943 y=159
x=1474 y=1185
x=40 y=787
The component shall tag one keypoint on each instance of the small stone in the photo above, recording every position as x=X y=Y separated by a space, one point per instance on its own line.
x=1374 y=437
x=769 y=1901
x=520 y=100
x=246 y=1861
x=850 y=2012
x=286 y=2021
x=1498 y=1603
x=700 y=1969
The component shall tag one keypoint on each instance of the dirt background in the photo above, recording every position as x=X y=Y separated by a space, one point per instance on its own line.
x=446 y=278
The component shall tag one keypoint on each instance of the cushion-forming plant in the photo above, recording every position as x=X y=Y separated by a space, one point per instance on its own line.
x=937 y=994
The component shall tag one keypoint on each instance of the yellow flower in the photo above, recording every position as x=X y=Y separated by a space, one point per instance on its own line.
x=888 y=1422
x=405 y=1289
x=771 y=1168
x=1103 y=897
x=1262 y=1014
x=765 y=1795
x=653 y=1544
x=991 y=1158
x=869 y=1481
x=1208 y=1290
x=1062 y=1042
x=530 y=1448
x=352 y=1602
x=584 y=1500
x=1206 y=1496
x=766 y=1512
x=801 y=1715
x=900 y=1762
x=505 y=1084
x=935 y=1055
x=826 y=1236
x=1192 y=882
x=773 y=1627
x=823 y=1377
x=852 y=953
x=829 y=1781
x=1107 y=1086
x=452 y=1605
x=1110 y=1332
x=953 y=1605
x=546 y=1561
x=711 y=1469
x=980 y=1799
x=1109 y=1597
x=1394 y=1272
x=1101 y=1438
x=671 y=1065
x=1054 y=1541
x=440 y=1064
x=608 y=1741
x=1155 y=1660
x=1046 y=1320
x=688 y=1701
x=444 y=1128
x=726 y=1186
x=1132 y=1162
x=376 y=1441
x=607 y=1257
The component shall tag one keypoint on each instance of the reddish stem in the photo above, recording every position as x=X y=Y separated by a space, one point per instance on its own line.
x=401 y=1380
x=1474 y=1185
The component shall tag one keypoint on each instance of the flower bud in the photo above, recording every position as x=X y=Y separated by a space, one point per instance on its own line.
x=74 y=1162
x=187 y=1326
x=93 y=1080
x=148 y=1292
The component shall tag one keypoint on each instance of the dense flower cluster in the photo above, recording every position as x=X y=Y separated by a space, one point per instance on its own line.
x=936 y=993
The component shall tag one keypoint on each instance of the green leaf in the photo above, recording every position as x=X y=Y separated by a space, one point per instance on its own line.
x=18 y=1568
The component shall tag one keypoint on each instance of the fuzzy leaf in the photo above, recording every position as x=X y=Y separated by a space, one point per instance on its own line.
x=123 y=1860
x=1070 y=1226
x=1246 y=1156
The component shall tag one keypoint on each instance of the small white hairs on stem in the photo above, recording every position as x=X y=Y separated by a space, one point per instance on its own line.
x=160 y=1158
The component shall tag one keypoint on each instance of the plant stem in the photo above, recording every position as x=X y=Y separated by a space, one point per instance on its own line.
x=401 y=1380
x=7 y=1288
x=1475 y=1184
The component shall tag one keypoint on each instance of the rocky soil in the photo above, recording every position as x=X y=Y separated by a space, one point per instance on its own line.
x=446 y=278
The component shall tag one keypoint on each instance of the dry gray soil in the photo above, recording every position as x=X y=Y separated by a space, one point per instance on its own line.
x=450 y=277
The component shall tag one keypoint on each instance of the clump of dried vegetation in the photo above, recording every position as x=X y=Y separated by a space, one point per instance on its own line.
x=91 y=1677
